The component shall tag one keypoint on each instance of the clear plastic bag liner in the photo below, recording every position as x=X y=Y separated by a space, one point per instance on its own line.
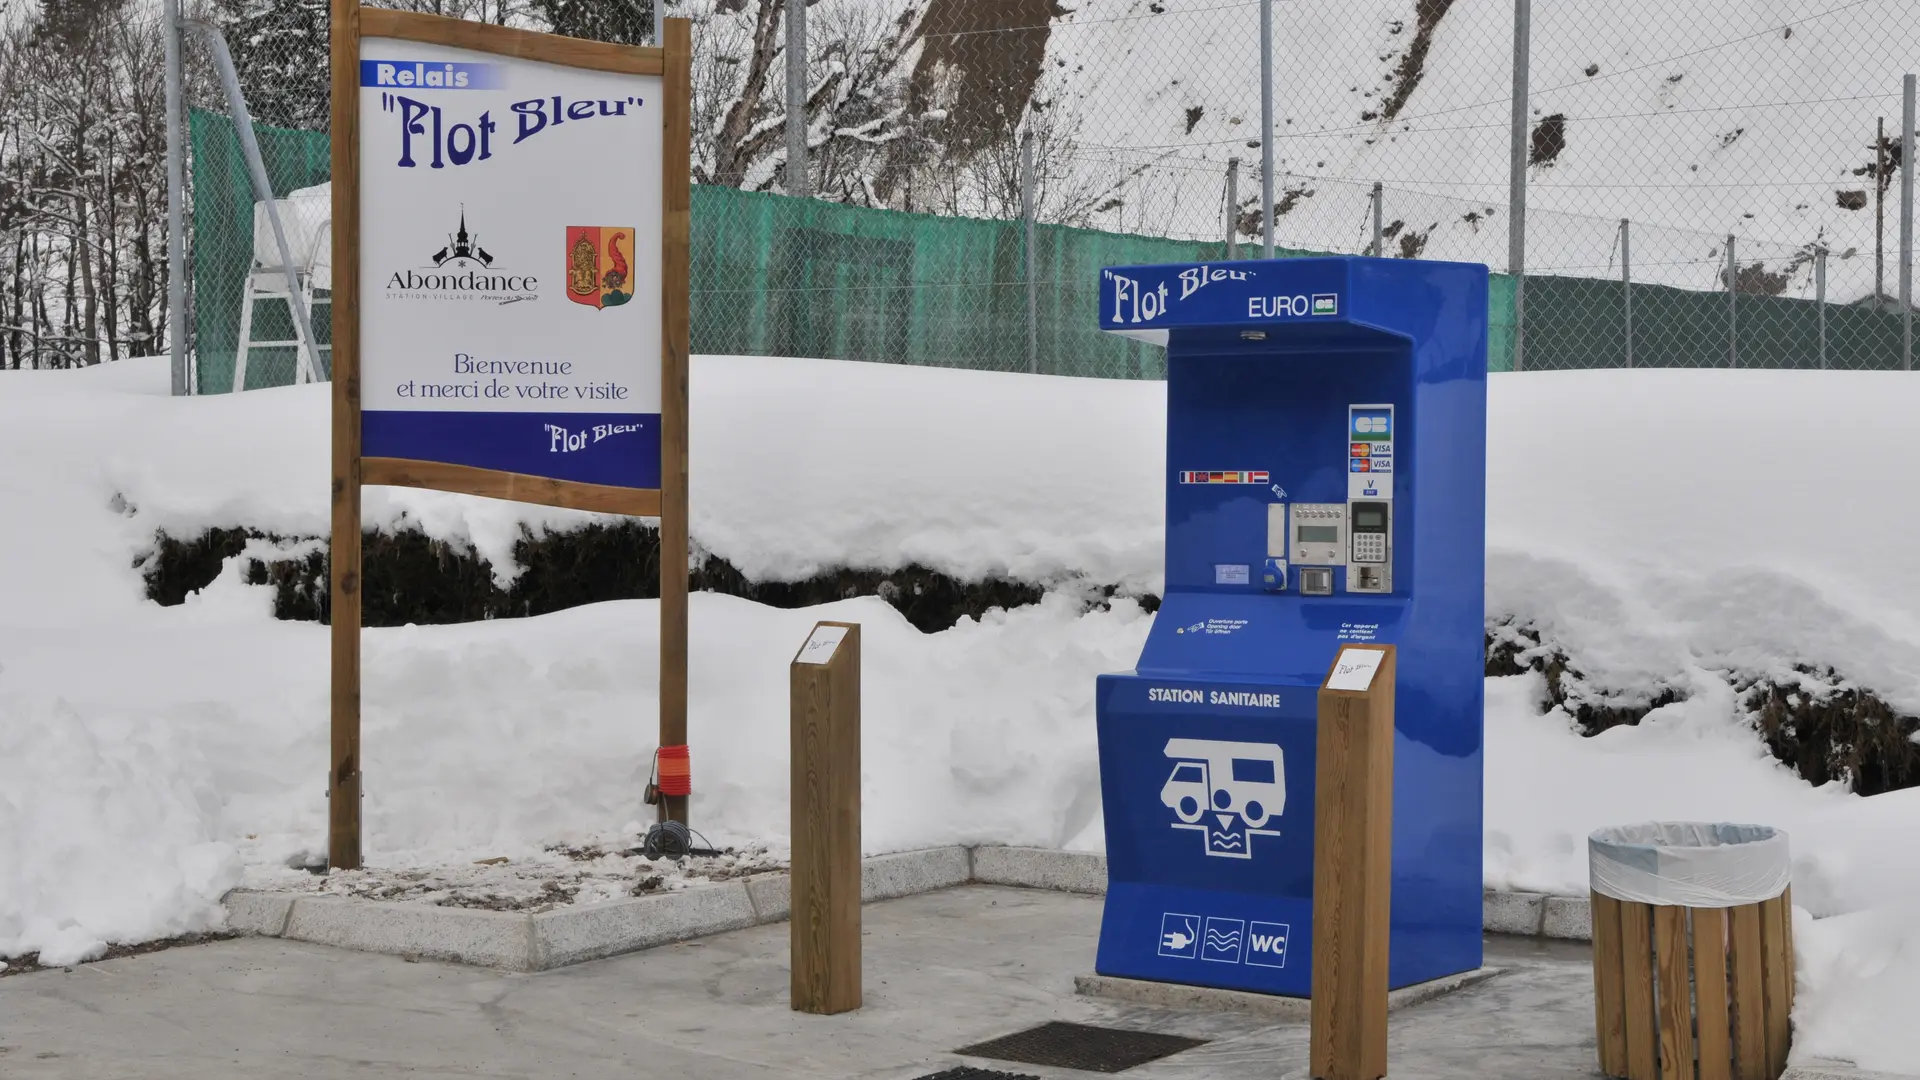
x=1689 y=864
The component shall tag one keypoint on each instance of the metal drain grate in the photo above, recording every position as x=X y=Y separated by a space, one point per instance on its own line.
x=1081 y=1046
x=968 y=1072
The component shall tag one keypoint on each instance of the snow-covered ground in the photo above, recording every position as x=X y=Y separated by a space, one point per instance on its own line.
x=1664 y=528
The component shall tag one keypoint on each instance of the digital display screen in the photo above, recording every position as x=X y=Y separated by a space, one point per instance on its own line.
x=1319 y=534
x=1368 y=517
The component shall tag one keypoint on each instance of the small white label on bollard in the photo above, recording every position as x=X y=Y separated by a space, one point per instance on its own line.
x=819 y=648
x=1355 y=669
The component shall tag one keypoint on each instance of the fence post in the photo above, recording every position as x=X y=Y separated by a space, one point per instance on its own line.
x=824 y=938
x=176 y=203
x=1820 y=297
x=1626 y=281
x=797 y=178
x=1378 y=198
x=1266 y=136
x=1906 y=223
x=1517 y=180
x=1233 y=208
x=1879 y=212
x=1026 y=216
x=1733 y=305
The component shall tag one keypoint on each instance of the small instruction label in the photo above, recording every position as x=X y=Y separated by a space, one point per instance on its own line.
x=1354 y=670
x=821 y=645
x=1232 y=573
x=1213 y=627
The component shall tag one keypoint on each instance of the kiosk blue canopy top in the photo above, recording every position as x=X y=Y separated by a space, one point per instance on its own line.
x=1215 y=307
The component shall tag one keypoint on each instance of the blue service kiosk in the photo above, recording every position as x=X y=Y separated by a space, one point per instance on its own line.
x=1326 y=483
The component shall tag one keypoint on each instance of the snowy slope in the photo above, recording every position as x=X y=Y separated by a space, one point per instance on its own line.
x=1647 y=135
x=1694 y=120
x=1649 y=523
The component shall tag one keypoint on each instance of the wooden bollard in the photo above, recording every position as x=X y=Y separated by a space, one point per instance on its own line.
x=826 y=820
x=1352 y=865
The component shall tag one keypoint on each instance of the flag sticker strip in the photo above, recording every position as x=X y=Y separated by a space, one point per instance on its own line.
x=1227 y=476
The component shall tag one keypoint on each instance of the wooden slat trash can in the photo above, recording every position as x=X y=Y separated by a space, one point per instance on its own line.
x=1692 y=951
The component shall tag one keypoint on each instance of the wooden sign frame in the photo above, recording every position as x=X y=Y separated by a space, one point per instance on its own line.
x=672 y=62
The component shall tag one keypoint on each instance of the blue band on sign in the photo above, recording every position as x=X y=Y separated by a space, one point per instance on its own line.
x=431 y=75
x=618 y=449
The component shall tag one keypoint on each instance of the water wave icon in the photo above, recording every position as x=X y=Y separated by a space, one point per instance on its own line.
x=1227 y=841
x=1223 y=942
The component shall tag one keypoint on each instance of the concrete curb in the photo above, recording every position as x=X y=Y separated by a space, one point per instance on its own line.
x=262 y=913
x=1039 y=868
x=514 y=941
x=498 y=939
x=593 y=931
x=1207 y=998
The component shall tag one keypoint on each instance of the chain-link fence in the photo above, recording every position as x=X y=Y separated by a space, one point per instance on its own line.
x=1707 y=184
x=245 y=276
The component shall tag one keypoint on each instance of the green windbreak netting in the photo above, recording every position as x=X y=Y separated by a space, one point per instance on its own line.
x=797 y=277
x=223 y=246
x=1499 y=322
x=1584 y=323
x=771 y=276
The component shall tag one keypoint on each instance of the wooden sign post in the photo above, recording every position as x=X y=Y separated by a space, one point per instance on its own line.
x=1352 y=865
x=826 y=820
x=510 y=311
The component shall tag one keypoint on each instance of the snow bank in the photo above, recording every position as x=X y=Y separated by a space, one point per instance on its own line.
x=1548 y=788
x=1859 y=976
x=106 y=830
x=1653 y=523
x=132 y=802
x=867 y=465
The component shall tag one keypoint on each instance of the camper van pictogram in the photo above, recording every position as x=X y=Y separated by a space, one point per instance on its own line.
x=1226 y=790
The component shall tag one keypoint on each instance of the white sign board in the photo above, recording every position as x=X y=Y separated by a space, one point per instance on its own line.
x=821 y=645
x=510 y=264
x=1354 y=670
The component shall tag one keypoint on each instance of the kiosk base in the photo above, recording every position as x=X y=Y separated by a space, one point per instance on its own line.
x=1211 y=999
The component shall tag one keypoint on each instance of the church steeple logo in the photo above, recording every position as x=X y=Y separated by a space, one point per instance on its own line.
x=462 y=247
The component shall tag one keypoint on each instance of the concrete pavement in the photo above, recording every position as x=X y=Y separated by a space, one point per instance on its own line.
x=943 y=970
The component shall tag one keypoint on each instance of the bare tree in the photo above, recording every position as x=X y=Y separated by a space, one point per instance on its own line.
x=81 y=141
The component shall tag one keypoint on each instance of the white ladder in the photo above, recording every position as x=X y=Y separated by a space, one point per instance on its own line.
x=264 y=284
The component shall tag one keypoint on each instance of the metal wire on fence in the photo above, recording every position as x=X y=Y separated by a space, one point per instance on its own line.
x=1704 y=184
